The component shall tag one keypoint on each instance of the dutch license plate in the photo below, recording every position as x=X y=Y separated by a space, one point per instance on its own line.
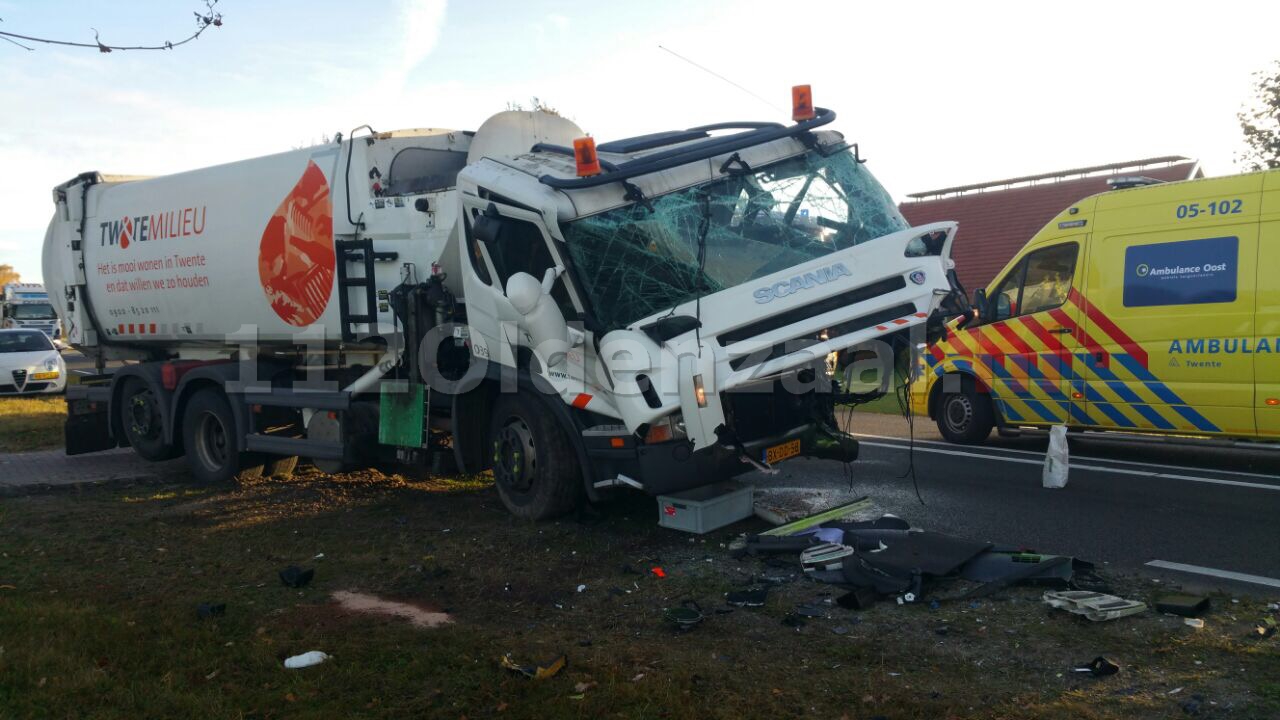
x=778 y=453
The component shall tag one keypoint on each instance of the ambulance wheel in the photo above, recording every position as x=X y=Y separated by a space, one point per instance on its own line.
x=965 y=417
x=534 y=465
x=209 y=436
x=142 y=421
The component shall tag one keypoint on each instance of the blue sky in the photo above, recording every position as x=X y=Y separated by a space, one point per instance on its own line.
x=936 y=93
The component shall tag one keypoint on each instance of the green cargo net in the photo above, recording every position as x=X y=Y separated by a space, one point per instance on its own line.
x=634 y=262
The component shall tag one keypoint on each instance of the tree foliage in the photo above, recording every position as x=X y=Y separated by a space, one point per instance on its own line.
x=1260 y=122
x=8 y=275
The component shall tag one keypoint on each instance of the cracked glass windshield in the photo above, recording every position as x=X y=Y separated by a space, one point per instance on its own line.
x=634 y=262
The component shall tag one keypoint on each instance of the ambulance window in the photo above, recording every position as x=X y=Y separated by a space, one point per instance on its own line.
x=1040 y=282
x=1048 y=279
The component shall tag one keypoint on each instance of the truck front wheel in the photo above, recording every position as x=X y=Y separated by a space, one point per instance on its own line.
x=534 y=465
x=965 y=417
x=209 y=436
x=142 y=421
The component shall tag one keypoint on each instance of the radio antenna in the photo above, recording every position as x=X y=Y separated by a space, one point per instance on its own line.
x=721 y=77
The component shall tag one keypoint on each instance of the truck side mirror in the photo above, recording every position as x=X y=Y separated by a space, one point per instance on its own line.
x=980 y=302
x=486 y=228
x=488 y=225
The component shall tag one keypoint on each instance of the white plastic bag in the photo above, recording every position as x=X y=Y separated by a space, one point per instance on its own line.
x=1055 y=461
x=306 y=659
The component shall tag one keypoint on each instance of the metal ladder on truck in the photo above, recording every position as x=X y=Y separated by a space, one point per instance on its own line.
x=358 y=250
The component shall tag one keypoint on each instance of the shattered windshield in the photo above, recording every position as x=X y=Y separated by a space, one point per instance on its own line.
x=634 y=262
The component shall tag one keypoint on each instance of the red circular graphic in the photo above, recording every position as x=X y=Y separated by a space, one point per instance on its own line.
x=296 y=258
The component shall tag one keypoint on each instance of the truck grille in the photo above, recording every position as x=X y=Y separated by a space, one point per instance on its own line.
x=804 y=312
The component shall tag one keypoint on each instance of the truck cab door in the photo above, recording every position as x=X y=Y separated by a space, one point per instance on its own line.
x=500 y=242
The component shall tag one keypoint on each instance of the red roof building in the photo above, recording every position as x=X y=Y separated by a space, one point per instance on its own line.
x=997 y=218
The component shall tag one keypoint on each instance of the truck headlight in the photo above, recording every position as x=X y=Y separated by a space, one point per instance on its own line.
x=670 y=427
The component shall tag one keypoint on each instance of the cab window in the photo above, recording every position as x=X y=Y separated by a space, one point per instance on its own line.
x=520 y=247
x=1040 y=282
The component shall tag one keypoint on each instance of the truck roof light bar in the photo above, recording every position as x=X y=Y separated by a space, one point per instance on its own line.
x=756 y=134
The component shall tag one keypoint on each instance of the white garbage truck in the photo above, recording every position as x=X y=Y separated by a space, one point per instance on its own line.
x=655 y=312
x=26 y=305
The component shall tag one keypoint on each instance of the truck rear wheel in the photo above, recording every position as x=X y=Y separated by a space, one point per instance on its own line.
x=209 y=436
x=534 y=465
x=142 y=421
x=965 y=417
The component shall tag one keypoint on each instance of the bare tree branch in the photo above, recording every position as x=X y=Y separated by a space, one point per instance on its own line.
x=203 y=22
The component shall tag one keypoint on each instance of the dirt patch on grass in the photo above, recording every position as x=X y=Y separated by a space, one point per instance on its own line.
x=31 y=423
x=417 y=615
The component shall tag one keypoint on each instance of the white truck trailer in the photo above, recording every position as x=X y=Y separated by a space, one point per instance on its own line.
x=653 y=312
x=26 y=305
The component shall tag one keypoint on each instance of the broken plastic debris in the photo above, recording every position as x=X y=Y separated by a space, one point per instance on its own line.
x=306 y=659
x=582 y=588
x=536 y=672
x=296 y=577
x=685 y=617
x=210 y=610
x=1094 y=606
x=1098 y=667
x=658 y=571
x=754 y=597
x=1196 y=623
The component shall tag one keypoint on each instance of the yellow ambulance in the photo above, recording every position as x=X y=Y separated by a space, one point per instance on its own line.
x=1154 y=309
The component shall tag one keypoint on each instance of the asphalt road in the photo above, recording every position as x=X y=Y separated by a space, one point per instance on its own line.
x=1126 y=504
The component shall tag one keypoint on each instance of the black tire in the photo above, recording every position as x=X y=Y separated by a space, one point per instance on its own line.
x=143 y=422
x=965 y=417
x=209 y=436
x=281 y=467
x=534 y=465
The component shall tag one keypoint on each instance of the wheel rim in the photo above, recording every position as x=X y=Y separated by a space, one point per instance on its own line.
x=514 y=456
x=212 y=445
x=141 y=413
x=958 y=413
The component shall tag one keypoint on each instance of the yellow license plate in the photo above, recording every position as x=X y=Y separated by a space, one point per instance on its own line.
x=778 y=453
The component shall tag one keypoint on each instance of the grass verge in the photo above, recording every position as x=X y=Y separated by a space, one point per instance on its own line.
x=31 y=423
x=98 y=596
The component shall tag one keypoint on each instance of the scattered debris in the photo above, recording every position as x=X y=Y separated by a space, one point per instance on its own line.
x=582 y=588
x=584 y=686
x=1266 y=628
x=417 y=616
x=296 y=577
x=1194 y=622
x=754 y=597
x=204 y=611
x=306 y=659
x=1095 y=606
x=841 y=512
x=658 y=572
x=1098 y=667
x=685 y=617
x=1182 y=604
x=536 y=672
x=810 y=611
x=857 y=599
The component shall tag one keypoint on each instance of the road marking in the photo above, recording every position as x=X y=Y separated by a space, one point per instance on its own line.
x=1075 y=466
x=1267 y=476
x=1213 y=572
